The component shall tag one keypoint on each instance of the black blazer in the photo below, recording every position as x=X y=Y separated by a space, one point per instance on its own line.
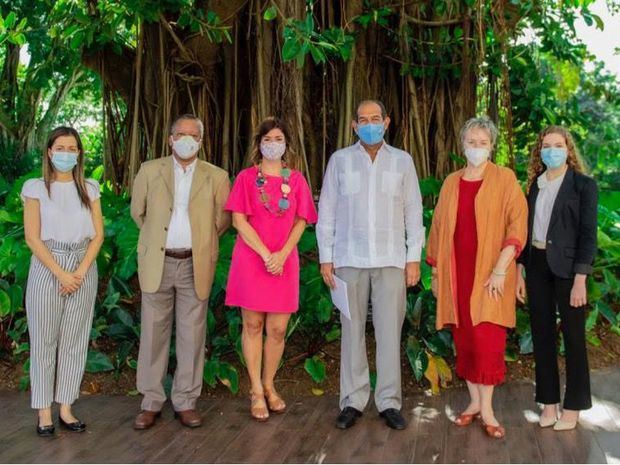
x=571 y=238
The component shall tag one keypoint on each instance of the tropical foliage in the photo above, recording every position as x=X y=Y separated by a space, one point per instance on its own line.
x=120 y=70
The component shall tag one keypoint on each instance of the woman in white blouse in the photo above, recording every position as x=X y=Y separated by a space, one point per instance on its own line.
x=64 y=229
x=559 y=255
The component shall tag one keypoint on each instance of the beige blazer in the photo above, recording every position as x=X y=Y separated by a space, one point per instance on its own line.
x=151 y=208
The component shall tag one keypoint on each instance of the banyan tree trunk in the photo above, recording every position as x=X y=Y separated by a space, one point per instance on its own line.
x=232 y=86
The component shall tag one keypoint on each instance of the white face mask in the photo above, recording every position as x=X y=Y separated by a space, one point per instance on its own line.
x=272 y=150
x=477 y=155
x=185 y=147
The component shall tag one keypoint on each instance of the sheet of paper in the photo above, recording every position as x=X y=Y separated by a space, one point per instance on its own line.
x=340 y=297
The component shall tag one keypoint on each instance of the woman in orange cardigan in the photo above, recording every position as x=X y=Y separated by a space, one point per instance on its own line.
x=479 y=228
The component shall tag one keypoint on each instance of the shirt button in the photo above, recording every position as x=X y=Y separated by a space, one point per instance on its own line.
x=165 y=228
x=170 y=208
x=162 y=249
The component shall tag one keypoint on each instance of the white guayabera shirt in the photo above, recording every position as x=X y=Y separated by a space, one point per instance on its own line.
x=370 y=214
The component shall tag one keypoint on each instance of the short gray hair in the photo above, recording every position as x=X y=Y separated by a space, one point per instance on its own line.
x=480 y=122
x=188 y=117
x=379 y=103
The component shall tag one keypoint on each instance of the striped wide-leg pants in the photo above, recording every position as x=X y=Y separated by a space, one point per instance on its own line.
x=59 y=327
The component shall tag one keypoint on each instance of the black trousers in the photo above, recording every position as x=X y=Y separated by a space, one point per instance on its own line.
x=548 y=294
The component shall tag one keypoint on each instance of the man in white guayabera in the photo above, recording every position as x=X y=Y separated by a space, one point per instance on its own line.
x=370 y=235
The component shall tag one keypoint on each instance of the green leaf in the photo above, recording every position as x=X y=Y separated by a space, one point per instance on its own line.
x=5 y=304
x=270 y=13
x=373 y=380
x=209 y=374
x=526 y=345
x=607 y=312
x=315 y=367
x=97 y=362
x=229 y=377
x=324 y=310
x=290 y=49
x=417 y=357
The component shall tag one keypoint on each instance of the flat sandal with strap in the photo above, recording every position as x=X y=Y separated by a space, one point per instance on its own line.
x=256 y=412
x=274 y=398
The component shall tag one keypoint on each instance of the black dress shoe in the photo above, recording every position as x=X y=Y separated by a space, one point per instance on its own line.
x=45 y=431
x=393 y=418
x=347 y=417
x=76 y=426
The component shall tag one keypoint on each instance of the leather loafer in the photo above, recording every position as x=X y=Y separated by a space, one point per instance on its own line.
x=145 y=419
x=189 y=418
x=347 y=417
x=76 y=426
x=393 y=418
x=45 y=431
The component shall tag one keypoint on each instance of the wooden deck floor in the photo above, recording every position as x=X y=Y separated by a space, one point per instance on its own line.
x=306 y=433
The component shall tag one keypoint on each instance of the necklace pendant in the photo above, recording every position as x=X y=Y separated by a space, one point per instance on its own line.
x=284 y=204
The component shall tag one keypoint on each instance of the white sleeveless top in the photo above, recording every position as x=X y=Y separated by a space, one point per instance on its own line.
x=63 y=217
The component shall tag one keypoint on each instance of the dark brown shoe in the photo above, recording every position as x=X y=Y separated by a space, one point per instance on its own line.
x=145 y=419
x=189 y=418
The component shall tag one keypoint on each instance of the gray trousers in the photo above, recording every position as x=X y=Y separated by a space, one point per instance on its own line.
x=175 y=300
x=59 y=327
x=387 y=291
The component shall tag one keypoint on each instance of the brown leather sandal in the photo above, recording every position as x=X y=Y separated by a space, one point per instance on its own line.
x=466 y=419
x=495 y=432
x=275 y=403
x=258 y=407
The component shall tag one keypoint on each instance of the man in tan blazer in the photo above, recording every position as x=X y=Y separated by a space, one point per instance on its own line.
x=178 y=204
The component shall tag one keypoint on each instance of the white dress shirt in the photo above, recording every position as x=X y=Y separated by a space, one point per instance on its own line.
x=548 y=191
x=370 y=213
x=179 y=230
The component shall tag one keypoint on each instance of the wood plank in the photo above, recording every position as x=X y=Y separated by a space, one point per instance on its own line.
x=400 y=445
x=552 y=450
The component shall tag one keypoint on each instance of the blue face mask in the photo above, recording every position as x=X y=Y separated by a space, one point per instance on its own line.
x=553 y=157
x=64 y=161
x=371 y=134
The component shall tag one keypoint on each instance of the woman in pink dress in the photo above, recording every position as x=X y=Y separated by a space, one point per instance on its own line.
x=271 y=205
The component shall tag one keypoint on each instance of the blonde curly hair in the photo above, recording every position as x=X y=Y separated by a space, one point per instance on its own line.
x=573 y=160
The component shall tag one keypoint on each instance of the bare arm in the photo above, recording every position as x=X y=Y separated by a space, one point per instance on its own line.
x=97 y=241
x=275 y=263
x=249 y=235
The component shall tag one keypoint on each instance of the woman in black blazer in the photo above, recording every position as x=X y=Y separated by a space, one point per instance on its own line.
x=559 y=254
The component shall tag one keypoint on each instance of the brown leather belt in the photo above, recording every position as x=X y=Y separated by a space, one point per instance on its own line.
x=180 y=254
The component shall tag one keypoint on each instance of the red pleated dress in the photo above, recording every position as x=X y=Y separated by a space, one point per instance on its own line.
x=479 y=349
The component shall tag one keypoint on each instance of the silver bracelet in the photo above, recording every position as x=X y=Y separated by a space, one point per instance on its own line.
x=496 y=273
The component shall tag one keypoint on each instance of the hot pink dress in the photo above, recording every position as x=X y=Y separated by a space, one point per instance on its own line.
x=250 y=285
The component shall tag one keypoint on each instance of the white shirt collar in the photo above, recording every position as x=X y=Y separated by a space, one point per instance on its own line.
x=187 y=169
x=544 y=182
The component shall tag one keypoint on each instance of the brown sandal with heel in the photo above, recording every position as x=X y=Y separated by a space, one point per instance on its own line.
x=259 y=412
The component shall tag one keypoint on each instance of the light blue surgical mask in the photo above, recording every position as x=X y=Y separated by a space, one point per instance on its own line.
x=553 y=157
x=371 y=134
x=64 y=161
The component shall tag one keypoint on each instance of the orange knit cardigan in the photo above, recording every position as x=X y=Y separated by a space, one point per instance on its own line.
x=501 y=220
